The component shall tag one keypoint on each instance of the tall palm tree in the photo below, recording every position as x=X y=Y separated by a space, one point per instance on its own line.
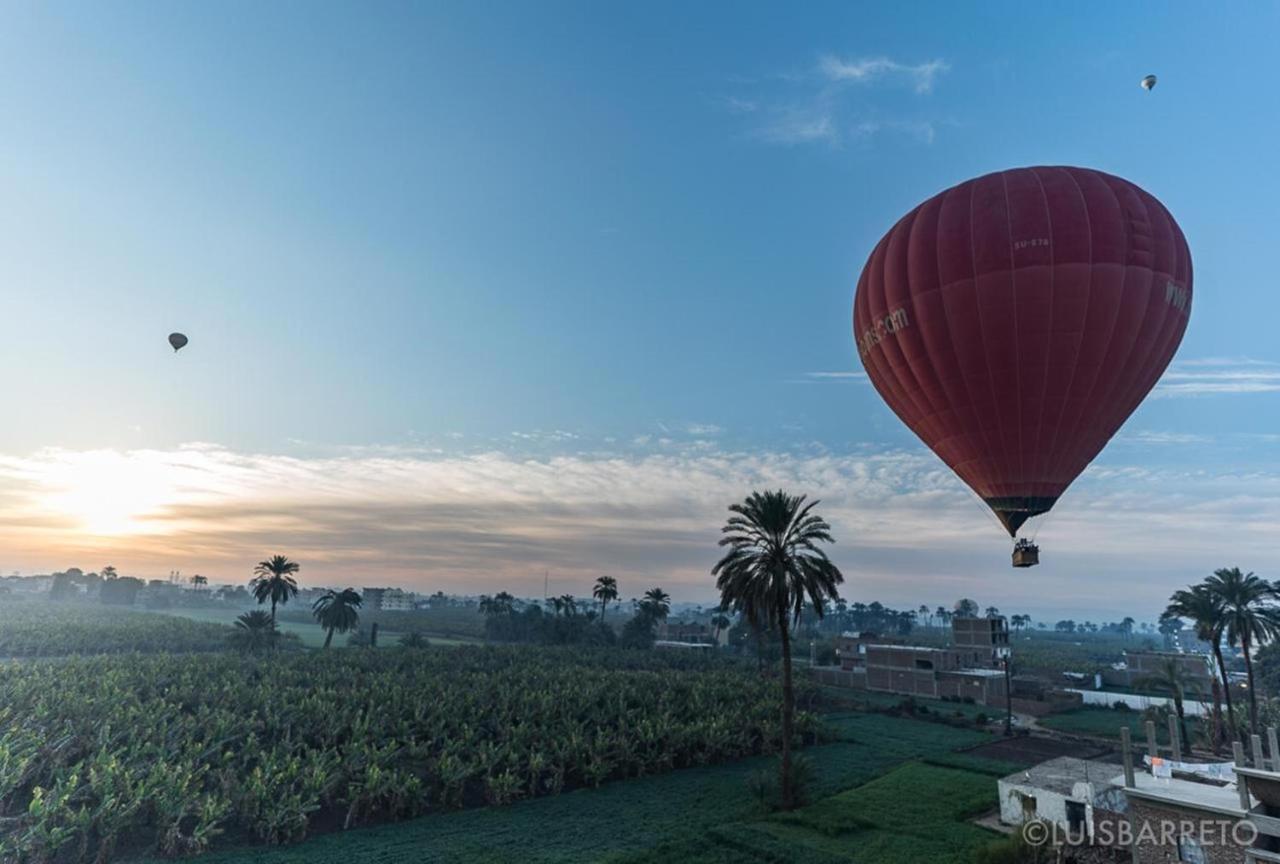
x=606 y=591
x=657 y=602
x=1249 y=617
x=1172 y=679
x=1203 y=609
x=773 y=564
x=273 y=580
x=337 y=610
x=198 y=580
x=966 y=608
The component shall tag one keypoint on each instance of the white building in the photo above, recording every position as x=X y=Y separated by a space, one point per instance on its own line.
x=1064 y=791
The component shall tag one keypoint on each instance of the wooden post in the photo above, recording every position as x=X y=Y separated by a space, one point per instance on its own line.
x=1255 y=745
x=1152 y=751
x=1273 y=747
x=1237 y=752
x=1128 y=757
x=1174 y=740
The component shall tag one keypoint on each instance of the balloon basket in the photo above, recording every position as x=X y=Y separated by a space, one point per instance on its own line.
x=1026 y=554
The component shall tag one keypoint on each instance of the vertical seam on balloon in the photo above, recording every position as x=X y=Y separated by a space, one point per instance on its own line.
x=1044 y=386
x=1124 y=257
x=951 y=342
x=1168 y=337
x=1055 y=458
x=1123 y=388
x=982 y=333
x=1017 y=351
x=926 y=416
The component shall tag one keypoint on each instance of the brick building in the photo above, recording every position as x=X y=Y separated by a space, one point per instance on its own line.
x=968 y=670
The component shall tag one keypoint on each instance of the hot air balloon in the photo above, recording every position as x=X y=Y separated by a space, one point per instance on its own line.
x=1148 y=82
x=178 y=341
x=1016 y=320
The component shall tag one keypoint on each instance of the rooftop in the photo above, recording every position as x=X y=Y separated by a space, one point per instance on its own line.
x=1062 y=774
x=1187 y=793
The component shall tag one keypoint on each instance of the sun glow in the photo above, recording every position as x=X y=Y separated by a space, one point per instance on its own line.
x=106 y=493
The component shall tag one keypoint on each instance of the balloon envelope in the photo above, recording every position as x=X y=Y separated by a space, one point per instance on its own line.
x=1015 y=321
x=1148 y=82
x=177 y=340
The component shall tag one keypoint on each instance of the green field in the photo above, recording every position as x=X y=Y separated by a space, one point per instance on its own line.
x=1106 y=723
x=42 y=628
x=699 y=815
x=310 y=634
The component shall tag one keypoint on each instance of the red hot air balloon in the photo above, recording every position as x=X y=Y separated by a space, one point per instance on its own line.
x=1016 y=320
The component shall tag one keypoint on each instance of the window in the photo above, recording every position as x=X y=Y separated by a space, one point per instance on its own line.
x=924 y=664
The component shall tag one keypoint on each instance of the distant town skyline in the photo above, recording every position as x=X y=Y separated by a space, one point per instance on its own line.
x=472 y=297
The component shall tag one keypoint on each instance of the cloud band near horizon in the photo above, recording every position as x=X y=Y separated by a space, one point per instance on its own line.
x=907 y=531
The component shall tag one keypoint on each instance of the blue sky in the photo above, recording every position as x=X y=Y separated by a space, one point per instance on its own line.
x=462 y=241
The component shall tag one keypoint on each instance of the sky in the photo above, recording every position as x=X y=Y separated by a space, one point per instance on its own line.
x=482 y=294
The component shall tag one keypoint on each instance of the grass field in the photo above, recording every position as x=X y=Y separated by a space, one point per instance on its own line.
x=696 y=815
x=1106 y=723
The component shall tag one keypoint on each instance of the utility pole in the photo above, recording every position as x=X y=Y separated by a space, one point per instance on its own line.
x=1005 y=656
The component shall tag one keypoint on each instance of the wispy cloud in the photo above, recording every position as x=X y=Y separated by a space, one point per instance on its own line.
x=833 y=378
x=908 y=530
x=827 y=103
x=1219 y=375
x=864 y=70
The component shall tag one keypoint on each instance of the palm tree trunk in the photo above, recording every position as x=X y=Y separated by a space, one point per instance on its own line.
x=788 y=708
x=1226 y=683
x=1253 y=696
x=273 y=613
x=328 y=637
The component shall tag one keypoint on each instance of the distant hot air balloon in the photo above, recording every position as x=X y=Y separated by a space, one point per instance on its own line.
x=1148 y=82
x=1015 y=321
x=178 y=341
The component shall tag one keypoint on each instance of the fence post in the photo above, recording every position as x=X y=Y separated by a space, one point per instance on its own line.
x=1174 y=739
x=1272 y=746
x=1151 y=739
x=1242 y=787
x=1128 y=757
x=1255 y=744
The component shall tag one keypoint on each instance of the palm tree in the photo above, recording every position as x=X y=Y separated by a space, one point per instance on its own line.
x=772 y=566
x=1248 y=617
x=606 y=591
x=198 y=580
x=1173 y=680
x=109 y=572
x=657 y=603
x=925 y=615
x=966 y=608
x=1126 y=626
x=992 y=612
x=337 y=610
x=273 y=580
x=501 y=603
x=1203 y=609
x=255 y=631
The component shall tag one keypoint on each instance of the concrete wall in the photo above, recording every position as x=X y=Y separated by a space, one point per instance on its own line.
x=1145 y=812
x=1050 y=806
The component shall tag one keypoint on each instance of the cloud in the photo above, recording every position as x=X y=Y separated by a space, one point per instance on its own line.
x=865 y=70
x=832 y=102
x=833 y=378
x=1121 y=539
x=1147 y=436
x=1219 y=375
x=799 y=126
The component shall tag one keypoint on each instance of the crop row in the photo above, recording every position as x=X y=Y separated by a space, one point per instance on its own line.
x=169 y=752
x=40 y=628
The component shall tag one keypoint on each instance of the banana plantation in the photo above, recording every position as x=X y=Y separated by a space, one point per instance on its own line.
x=171 y=754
